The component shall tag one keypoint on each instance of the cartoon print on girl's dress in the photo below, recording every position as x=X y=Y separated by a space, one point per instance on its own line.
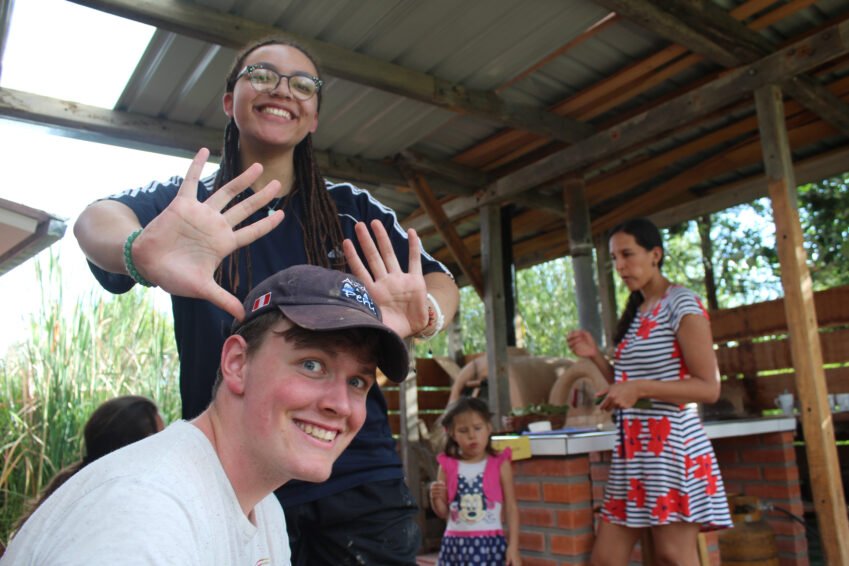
x=471 y=505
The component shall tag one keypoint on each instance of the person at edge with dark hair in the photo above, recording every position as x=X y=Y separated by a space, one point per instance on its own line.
x=663 y=473
x=115 y=423
x=290 y=396
x=205 y=241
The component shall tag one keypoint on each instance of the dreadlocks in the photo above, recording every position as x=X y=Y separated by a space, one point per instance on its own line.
x=320 y=226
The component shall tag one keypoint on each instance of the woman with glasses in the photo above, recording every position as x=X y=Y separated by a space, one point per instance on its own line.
x=207 y=241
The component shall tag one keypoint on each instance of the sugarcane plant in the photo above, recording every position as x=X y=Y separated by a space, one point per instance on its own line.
x=71 y=358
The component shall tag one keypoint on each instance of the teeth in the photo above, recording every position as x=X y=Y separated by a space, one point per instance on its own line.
x=317 y=432
x=277 y=112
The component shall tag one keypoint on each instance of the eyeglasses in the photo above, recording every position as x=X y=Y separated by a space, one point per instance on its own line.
x=302 y=86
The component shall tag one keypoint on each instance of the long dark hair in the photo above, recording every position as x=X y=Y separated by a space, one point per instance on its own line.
x=114 y=424
x=648 y=237
x=465 y=405
x=320 y=225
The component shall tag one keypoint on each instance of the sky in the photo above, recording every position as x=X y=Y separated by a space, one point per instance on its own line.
x=57 y=174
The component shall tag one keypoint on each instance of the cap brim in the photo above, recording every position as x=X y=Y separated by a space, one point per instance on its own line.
x=393 y=358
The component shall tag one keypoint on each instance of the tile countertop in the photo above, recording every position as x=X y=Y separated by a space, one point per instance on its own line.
x=561 y=444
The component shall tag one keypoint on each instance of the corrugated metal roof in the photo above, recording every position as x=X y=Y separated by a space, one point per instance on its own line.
x=541 y=54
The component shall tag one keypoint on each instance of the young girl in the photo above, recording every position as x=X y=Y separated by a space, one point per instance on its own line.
x=473 y=485
x=663 y=473
x=207 y=241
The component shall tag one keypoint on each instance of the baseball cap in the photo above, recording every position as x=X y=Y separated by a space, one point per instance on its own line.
x=317 y=298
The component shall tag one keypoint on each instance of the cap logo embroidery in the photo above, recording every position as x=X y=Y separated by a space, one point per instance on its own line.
x=262 y=301
x=355 y=291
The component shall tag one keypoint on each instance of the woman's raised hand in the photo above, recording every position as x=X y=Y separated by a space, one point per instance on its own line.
x=401 y=296
x=582 y=343
x=180 y=249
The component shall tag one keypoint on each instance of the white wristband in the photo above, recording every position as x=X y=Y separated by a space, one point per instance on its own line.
x=440 y=320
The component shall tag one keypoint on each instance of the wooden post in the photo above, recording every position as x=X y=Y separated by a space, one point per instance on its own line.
x=581 y=251
x=408 y=405
x=607 y=289
x=496 y=316
x=824 y=468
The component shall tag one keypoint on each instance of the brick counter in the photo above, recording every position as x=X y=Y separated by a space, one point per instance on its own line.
x=557 y=493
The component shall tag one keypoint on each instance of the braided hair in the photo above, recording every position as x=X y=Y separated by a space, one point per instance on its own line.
x=320 y=226
x=647 y=236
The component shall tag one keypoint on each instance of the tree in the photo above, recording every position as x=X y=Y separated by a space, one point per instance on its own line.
x=824 y=212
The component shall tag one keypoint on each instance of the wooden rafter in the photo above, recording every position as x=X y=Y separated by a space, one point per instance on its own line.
x=233 y=31
x=166 y=136
x=621 y=87
x=790 y=61
x=461 y=255
x=707 y=29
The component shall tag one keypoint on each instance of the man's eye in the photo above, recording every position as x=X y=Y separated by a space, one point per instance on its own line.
x=359 y=383
x=313 y=365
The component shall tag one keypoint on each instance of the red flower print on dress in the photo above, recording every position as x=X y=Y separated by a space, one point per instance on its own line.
x=616 y=507
x=710 y=488
x=656 y=310
x=646 y=326
x=683 y=371
x=704 y=466
x=661 y=509
x=676 y=349
x=624 y=376
x=688 y=463
x=633 y=428
x=678 y=502
x=619 y=349
x=637 y=493
x=659 y=430
x=702 y=306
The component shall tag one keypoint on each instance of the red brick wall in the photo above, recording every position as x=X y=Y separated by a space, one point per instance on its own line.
x=555 y=510
x=557 y=495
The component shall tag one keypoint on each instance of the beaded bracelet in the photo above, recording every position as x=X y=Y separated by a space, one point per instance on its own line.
x=434 y=312
x=128 y=260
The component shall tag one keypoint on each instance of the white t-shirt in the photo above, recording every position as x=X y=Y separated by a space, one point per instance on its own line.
x=163 y=500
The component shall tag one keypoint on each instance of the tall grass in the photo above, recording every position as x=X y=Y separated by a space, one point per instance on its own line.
x=73 y=358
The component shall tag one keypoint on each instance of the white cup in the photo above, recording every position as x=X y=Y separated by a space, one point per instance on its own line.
x=842 y=401
x=785 y=403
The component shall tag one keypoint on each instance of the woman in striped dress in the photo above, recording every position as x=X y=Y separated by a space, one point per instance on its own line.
x=663 y=475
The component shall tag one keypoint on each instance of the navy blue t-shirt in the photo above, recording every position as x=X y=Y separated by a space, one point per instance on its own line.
x=200 y=328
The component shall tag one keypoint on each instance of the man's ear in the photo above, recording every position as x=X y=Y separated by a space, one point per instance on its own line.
x=227 y=103
x=234 y=363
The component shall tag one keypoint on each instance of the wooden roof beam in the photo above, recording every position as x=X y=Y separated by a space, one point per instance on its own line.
x=164 y=136
x=790 y=61
x=795 y=59
x=428 y=202
x=707 y=29
x=234 y=32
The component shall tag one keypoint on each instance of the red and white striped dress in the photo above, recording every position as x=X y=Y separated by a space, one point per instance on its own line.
x=663 y=468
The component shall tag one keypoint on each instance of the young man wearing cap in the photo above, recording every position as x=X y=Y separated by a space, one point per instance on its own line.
x=290 y=396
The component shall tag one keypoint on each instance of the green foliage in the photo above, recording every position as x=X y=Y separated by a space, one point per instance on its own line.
x=546 y=307
x=825 y=224
x=744 y=258
x=75 y=357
